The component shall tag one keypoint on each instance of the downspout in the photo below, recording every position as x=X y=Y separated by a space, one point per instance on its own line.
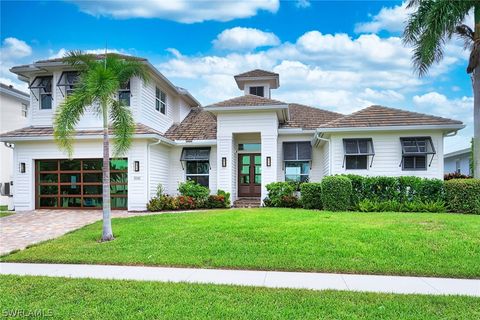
x=148 y=165
x=318 y=137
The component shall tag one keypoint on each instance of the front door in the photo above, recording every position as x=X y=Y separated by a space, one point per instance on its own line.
x=249 y=175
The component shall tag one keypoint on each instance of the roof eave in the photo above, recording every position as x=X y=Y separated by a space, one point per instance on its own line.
x=445 y=127
x=82 y=137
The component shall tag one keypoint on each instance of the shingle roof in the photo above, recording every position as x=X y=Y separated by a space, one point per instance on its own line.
x=48 y=131
x=256 y=73
x=379 y=116
x=306 y=117
x=247 y=100
x=97 y=57
x=197 y=125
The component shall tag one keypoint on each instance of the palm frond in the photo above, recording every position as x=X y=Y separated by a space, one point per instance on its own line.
x=430 y=26
x=465 y=33
x=123 y=127
x=67 y=116
x=79 y=59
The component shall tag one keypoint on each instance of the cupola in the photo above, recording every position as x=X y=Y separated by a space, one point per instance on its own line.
x=258 y=82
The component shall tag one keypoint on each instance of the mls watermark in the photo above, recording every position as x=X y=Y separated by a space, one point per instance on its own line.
x=24 y=313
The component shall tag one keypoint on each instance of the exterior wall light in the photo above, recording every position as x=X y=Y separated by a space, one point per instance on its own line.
x=136 y=166
x=224 y=162
x=269 y=161
x=22 y=167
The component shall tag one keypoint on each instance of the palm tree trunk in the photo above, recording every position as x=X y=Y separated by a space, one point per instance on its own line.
x=476 y=102
x=107 y=233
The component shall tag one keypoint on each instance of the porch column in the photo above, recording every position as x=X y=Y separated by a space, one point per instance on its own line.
x=226 y=175
x=269 y=149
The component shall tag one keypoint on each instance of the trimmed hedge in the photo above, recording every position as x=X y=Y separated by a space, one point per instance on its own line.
x=311 y=195
x=281 y=194
x=336 y=193
x=463 y=195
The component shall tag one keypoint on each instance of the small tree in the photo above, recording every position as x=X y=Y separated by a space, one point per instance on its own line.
x=97 y=86
x=429 y=27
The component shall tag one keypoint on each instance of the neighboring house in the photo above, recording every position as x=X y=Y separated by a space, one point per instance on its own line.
x=458 y=161
x=238 y=145
x=13 y=115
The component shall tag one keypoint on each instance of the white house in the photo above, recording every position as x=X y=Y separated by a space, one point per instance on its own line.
x=238 y=145
x=458 y=161
x=13 y=115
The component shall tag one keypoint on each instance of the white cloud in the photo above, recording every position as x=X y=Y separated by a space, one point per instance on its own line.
x=62 y=52
x=240 y=38
x=389 y=19
x=183 y=11
x=13 y=48
x=302 y=4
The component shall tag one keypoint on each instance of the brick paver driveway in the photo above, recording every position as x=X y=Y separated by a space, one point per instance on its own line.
x=24 y=228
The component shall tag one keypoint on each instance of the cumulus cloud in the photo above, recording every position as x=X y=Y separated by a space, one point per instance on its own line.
x=390 y=19
x=62 y=52
x=183 y=11
x=12 y=52
x=240 y=38
x=302 y=4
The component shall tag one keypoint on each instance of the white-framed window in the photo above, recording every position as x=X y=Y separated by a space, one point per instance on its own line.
x=197 y=165
x=356 y=153
x=297 y=158
x=24 y=110
x=44 y=86
x=257 y=91
x=415 y=151
x=124 y=93
x=160 y=101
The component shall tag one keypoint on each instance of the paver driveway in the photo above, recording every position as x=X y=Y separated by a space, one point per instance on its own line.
x=24 y=228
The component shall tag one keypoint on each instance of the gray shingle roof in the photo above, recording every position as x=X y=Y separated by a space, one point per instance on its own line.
x=197 y=125
x=256 y=73
x=247 y=100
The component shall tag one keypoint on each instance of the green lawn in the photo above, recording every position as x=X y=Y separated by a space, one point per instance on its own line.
x=61 y=298
x=4 y=211
x=280 y=239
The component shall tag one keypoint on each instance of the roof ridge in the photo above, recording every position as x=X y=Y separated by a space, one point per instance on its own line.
x=246 y=96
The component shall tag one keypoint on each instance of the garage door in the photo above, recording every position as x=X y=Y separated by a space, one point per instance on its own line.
x=77 y=183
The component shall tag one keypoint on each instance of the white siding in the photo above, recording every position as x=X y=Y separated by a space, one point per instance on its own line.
x=148 y=114
x=28 y=152
x=388 y=154
x=159 y=168
x=229 y=124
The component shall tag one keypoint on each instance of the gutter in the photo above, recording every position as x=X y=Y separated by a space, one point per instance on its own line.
x=86 y=137
x=316 y=139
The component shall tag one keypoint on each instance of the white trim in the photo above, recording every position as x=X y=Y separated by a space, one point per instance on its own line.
x=457 y=153
x=248 y=108
x=24 y=96
x=195 y=143
x=86 y=137
x=295 y=131
x=393 y=128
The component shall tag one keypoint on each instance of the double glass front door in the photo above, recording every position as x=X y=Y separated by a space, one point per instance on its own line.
x=249 y=175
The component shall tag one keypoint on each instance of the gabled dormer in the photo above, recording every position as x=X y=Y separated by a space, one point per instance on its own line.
x=258 y=82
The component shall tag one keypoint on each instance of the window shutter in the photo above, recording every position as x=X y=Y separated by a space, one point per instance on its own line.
x=289 y=151
x=304 y=151
x=195 y=154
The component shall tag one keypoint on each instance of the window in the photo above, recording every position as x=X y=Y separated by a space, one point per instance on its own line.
x=356 y=153
x=160 y=101
x=67 y=79
x=250 y=147
x=457 y=166
x=415 y=151
x=24 y=110
x=258 y=91
x=44 y=86
x=297 y=157
x=197 y=164
x=124 y=94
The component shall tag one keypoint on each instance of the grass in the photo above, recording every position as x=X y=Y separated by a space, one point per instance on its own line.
x=4 y=211
x=61 y=298
x=280 y=239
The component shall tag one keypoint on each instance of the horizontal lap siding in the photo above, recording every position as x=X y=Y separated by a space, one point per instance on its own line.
x=148 y=113
x=388 y=154
x=159 y=163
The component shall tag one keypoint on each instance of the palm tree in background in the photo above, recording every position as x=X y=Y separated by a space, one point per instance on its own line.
x=429 y=27
x=98 y=83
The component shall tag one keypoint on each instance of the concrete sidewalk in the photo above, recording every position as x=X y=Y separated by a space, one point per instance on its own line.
x=271 y=279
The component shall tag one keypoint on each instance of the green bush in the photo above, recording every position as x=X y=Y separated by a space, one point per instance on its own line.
x=278 y=193
x=336 y=193
x=367 y=205
x=194 y=190
x=186 y=203
x=162 y=202
x=226 y=196
x=463 y=195
x=311 y=195
x=215 y=202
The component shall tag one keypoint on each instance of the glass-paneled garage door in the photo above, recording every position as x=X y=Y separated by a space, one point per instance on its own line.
x=77 y=183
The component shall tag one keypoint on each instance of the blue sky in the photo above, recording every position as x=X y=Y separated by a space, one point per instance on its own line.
x=338 y=55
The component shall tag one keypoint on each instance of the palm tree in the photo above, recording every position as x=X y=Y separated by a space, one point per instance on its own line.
x=429 y=27
x=98 y=83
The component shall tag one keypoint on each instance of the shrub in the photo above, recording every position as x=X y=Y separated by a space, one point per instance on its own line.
x=194 y=190
x=463 y=195
x=455 y=175
x=431 y=190
x=155 y=204
x=289 y=202
x=162 y=202
x=215 y=201
x=186 y=203
x=277 y=193
x=358 y=189
x=336 y=193
x=311 y=195
x=367 y=205
x=226 y=196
